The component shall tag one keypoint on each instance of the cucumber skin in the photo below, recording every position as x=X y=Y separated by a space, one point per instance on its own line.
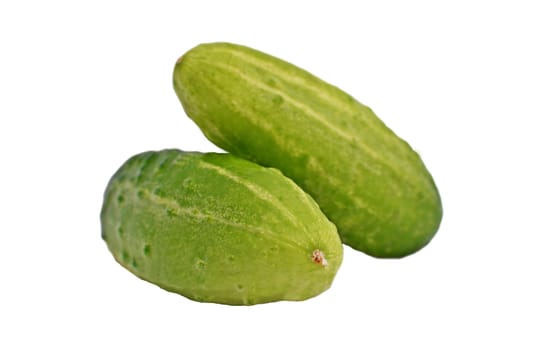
x=366 y=179
x=217 y=228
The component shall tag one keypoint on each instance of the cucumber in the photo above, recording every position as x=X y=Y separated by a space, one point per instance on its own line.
x=366 y=179
x=217 y=228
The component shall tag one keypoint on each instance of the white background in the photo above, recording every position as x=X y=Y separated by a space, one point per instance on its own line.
x=85 y=85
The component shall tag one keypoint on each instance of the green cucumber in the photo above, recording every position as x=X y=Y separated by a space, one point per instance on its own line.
x=217 y=228
x=366 y=179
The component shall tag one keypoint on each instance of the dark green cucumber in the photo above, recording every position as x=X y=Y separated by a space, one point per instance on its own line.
x=366 y=179
x=218 y=228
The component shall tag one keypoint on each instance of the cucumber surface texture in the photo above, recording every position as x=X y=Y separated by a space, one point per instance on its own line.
x=365 y=178
x=218 y=228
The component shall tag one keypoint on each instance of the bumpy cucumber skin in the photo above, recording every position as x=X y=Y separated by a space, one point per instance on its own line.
x=366 y=179
x=217 y=228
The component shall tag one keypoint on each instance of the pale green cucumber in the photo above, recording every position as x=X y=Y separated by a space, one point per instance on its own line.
x=366 y=179
x=217 y=228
